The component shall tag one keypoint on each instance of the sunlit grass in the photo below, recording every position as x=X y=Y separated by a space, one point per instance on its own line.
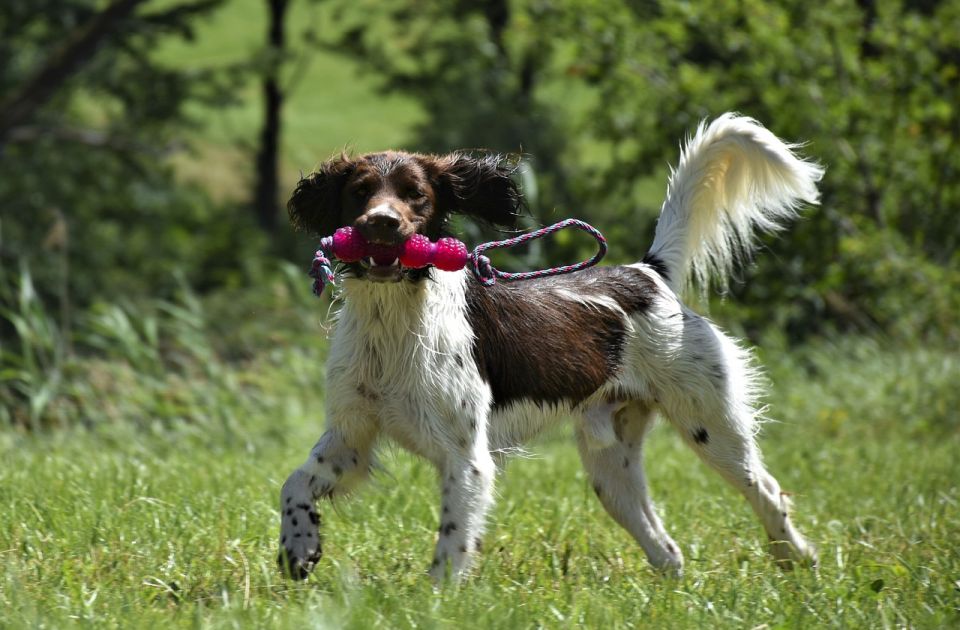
x=175 y=523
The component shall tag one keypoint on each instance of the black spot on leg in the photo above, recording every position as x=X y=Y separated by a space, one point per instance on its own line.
x=671 y=548
x=303 y=506
x=463 y=549
x=337 y=471
x=314 y=518
x=626 y=462
x=448 y=528
x=459 y=360
x=474 y=470
x=283 y=540
x=478 y=544
x=435 y=563
x=354 y=459
x=446 y=510
x=294 y=522
x=289 y=511
x=319 y=459
x=297 y=535
x=700 y=436
x=289 y=499
x=783 y=514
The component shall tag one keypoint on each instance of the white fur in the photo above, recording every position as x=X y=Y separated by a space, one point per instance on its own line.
x=401 y=366
x=734 y=178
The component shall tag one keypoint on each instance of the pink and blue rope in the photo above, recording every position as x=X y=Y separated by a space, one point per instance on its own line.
x=482 y=268
x=487 y=274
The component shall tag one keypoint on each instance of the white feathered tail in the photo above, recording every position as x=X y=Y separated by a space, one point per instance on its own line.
x=734 y=178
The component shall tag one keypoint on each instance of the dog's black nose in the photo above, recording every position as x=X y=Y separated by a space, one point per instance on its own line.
x=381 y=225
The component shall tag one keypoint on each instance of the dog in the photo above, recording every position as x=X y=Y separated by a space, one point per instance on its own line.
x=457 y=372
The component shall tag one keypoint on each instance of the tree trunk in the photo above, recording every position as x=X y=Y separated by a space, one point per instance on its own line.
x=267 y=190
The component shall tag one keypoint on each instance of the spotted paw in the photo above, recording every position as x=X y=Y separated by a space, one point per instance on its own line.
x=300 y=548
x=296 y=567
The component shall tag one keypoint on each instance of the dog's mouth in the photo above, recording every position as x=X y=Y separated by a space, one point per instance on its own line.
x=382 y=268
x=381 y=264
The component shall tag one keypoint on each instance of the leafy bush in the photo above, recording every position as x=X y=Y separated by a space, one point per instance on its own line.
x=599 y=94
x=158 y=362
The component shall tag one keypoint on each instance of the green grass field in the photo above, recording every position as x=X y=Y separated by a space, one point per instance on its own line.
x=153 y=502
x=162 y=512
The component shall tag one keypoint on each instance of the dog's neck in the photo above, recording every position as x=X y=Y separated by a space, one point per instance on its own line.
x=406 y=306
x=385 y=303
x=400 y=324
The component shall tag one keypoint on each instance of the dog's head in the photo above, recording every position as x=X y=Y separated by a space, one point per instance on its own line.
x=392 y=195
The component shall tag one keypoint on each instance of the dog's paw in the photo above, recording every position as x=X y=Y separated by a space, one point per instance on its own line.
x=668 y=560
x=297 y=567
x=789 y=556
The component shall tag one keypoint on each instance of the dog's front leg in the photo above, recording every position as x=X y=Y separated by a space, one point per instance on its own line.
x=466 y=480
x=337 y=462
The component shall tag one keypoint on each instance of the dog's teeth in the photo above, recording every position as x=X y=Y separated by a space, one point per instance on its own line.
x=395 y=261
x=370 y=261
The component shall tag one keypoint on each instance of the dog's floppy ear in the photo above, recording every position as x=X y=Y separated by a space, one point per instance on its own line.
x=315 y=205
x=480 y=186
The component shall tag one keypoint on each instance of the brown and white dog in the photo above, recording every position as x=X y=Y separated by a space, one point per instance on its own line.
x=457 y=372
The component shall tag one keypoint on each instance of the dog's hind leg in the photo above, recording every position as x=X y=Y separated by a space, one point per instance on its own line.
x=619 y=481
x=737 y=458
x=715 y=413
x=338 y=462
x=735 y=455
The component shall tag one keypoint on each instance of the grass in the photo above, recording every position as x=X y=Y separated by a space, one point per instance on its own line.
x=145 y=494
x=162 y=512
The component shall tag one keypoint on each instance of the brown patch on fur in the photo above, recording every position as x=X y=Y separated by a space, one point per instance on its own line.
x=534 y=342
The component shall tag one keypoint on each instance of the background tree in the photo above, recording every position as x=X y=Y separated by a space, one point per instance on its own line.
x=267 y=192
x=85 y=180
x=598 y=93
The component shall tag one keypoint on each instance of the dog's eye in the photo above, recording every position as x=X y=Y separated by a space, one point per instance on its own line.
x=415 y=194
x=361 y=192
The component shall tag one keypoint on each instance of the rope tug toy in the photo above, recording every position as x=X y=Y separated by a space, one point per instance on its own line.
x=447 y=254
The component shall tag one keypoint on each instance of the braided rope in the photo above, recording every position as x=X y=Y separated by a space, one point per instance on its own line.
x=320 y=270
x=487 y=274
x=481 y=266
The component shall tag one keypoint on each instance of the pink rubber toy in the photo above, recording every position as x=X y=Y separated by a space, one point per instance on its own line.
x=447 y=254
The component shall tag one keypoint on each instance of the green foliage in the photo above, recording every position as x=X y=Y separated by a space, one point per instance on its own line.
x=154 y=362
x=175 y=524
x=599 y=94
x=86 y=191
